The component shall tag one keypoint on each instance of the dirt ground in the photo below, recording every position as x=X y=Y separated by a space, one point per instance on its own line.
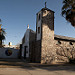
x=20 y=67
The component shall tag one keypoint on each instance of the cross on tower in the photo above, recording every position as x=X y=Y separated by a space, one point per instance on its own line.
x=45 y=4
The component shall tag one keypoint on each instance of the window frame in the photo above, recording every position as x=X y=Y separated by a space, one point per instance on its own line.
x=38 y=30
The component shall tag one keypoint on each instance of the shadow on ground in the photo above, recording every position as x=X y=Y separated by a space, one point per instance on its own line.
x=18 y=63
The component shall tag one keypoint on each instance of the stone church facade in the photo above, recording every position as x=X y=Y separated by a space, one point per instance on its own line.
x=44 y=46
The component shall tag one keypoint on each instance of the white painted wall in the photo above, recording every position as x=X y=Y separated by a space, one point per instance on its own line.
x=23 y=50
x=26 y=43
x=11 y=46
x=14 y=54
x=39 y=25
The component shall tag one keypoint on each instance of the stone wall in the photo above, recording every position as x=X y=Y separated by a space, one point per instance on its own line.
x=65 y=50
x=58 y=52
x=47 y=54
x=38 y=51
x=35 y=51
x=32 y=52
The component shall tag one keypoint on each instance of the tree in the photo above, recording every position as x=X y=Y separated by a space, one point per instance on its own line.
x=68 y=11
x=2 y=35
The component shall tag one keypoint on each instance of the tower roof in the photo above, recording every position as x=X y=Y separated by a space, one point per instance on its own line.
x=47 y=9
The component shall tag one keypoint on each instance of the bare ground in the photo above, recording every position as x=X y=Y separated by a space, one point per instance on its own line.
x=20 y=67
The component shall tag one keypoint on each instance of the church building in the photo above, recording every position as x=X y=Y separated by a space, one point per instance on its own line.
x=43 y=46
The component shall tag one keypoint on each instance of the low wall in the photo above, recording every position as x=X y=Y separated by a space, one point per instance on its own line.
x=9 y=53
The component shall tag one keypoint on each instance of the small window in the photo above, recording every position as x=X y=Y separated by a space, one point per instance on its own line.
x=44 y=12
x=71 y=43
x=38 y=29
x=58 y=42
x=39 y=17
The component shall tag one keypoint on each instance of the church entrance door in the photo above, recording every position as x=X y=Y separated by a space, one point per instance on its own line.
x=25 y=52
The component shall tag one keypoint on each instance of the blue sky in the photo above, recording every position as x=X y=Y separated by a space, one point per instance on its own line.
x=17 y=14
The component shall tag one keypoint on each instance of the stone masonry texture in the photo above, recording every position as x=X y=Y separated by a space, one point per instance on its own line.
x=47 y=54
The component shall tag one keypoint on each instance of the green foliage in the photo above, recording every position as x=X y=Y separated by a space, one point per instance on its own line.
x=2 y=37
x=68 y=11
x=2 y=34
x=3 y=31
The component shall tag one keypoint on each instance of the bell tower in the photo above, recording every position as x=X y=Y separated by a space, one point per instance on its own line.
x=45 y=23
x=45 y=31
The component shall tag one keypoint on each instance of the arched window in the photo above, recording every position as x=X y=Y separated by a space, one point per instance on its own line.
x=71 y=43
x=58 y=42
x=44 y=12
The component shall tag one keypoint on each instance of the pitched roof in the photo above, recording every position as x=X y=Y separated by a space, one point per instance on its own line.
x=64 y=38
